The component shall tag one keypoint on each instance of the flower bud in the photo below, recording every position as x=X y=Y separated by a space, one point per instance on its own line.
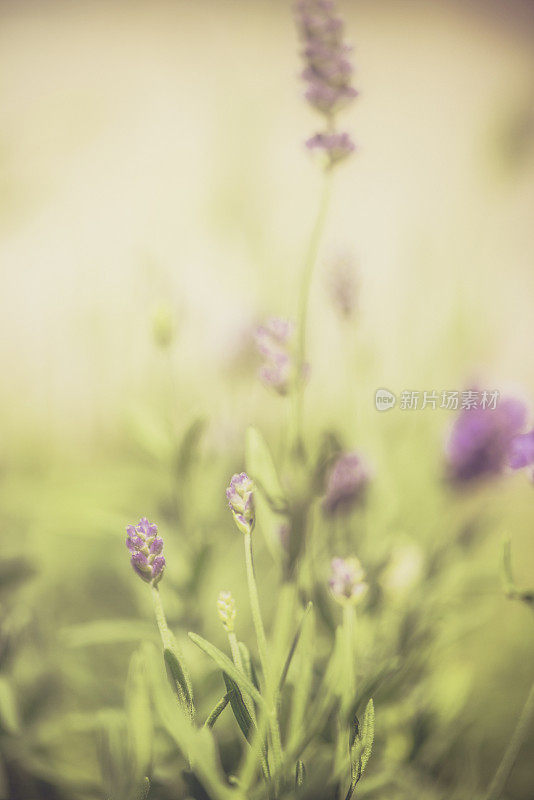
x=226 y=610
x=347 y=580
x=145 y=546
x=240 y=495
x=347 y=481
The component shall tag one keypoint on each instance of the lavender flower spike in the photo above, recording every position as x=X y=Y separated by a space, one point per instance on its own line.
x=240 y=495
x=145 y=546
x=484 y=440
x=346 y=485
x=347 y=580
x=327 y=72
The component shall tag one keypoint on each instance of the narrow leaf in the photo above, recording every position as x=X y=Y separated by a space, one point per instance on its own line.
x=243 y=718
x=179 y=679
x=217 y=711
x=224 y=663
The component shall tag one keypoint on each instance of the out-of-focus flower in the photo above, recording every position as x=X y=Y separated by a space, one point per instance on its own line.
x=274 y=343
x=343 y=285
x=145 y=545
x=346 y=484
x=347 y=580
x=521 y=452
x=327 y=72
x=336 y=146
x=240 y=495
x=226 y=610
x=482 y=441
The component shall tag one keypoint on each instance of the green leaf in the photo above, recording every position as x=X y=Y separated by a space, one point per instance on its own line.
x=300 y=701
x=178 y=676
x=261 y=468
x=224 y=663
x=9 y=717
x=216 y=712
x=243 y=718
x=196 y=744
x=361 y=745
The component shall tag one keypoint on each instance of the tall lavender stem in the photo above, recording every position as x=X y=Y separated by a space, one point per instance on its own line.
x=310 y=260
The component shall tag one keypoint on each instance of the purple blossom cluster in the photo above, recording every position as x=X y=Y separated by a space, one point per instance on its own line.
x=145 y=545
x=484 y=441
x=240 y=496
x=273 y=340
x=346 y=484
x=327 y=73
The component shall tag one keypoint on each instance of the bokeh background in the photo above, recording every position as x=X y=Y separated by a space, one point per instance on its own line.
x=152 y=160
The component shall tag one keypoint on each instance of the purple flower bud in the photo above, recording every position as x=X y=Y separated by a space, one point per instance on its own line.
x=481 y=442
x=346 y=484
x=240 y=496
x=143 y=542
x=347 y=580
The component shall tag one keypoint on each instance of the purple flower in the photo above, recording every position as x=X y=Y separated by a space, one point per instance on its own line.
x=240 y=495
x=347 y=580
x=346 y=484
x=484 y=440
x=145 y=545
x=274 y=343
x=327 y=72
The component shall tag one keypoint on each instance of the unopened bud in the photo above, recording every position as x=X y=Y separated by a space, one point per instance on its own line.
x=226 y=610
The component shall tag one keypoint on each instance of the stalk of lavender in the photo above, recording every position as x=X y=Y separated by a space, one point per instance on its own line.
x=327 y=74
x=148 y=562
x=240 y=496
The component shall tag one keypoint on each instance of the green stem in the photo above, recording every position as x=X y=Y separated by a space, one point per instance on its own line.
x=348 y=638
x=255 y=606
x=161 y=619
x=310 y=259
x=512 y=751
x=262 y=649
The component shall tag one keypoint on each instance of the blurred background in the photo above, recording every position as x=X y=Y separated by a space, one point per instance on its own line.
x=152 y=166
